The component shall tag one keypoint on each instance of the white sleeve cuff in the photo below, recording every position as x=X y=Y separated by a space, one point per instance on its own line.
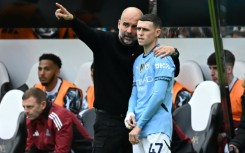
x=127 y=118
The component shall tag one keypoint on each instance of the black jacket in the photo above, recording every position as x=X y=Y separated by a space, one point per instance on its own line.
x=239 y=139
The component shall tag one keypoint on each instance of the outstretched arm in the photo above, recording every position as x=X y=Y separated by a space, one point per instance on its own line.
x=62 y=13
x=85 y=33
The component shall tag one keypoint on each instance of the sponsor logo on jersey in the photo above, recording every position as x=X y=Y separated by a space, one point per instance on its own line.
x=162 y=66
x=36 y=134
x=145 y=80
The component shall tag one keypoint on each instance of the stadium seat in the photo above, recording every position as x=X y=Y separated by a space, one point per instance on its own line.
x=31 y=79
x=200 y=118
x=5 y=83
x=12 y=123
x=190 y=74
x=88 y=120
x=83 y=77
x=239 y=69
x=81 y=145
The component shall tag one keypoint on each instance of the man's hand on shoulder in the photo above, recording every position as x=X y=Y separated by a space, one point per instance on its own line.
x=163 y=51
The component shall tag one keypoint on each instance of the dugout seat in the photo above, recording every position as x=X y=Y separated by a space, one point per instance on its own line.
x=5 y=83
x=88 y=120
x=31 y=79
x=81 y=145
x=83 y=77
x=190 y=74
x=200 y=118
x=12 y=123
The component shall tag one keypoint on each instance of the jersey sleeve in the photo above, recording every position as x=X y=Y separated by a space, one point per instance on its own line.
x=133 y=98
x=62 y=123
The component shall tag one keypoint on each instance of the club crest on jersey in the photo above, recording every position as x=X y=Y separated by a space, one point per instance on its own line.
x=36 y=134
x=141 y=68
x=144 y=66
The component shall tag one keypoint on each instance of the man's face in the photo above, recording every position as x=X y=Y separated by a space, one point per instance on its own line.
x=215 y=76
x=127 y=26
x=214 y=73
x=146 y=33
x=47 y=72
x=32 y=108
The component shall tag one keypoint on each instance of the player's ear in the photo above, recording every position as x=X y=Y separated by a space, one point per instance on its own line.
x=158 y=32
x=43 y=105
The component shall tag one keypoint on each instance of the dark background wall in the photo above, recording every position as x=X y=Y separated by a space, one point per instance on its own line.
x=40 y=13
x=180 y=13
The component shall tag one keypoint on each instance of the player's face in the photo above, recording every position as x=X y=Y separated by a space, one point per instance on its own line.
x=214 y=73
x=147 y=33
x=32 y=108
x=47 y=72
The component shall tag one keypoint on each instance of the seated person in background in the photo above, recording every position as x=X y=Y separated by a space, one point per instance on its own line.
x=181 y=95
x=235 y=84
x=58 y=91
x=235 y=88
x=50 y=127
x=88 y=101
x=89 y=98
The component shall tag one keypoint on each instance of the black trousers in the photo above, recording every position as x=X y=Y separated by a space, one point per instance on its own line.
x=111 y=135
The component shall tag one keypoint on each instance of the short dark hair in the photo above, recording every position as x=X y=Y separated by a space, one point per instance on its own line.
x=51 y=57
x=229 y=58
x=152 y=18
x=37 y=93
